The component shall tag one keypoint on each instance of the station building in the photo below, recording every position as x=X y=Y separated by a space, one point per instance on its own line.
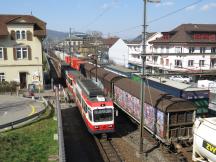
x=21 y=39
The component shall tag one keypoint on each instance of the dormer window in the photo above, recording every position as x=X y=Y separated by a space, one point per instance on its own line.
x=23 y=33
x=166 y=36
x=20 y=34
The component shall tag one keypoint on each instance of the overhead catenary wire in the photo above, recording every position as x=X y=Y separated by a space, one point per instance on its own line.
x=101 y=14
x=159 y=18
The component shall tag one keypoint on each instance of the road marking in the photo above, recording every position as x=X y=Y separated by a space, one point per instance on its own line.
x=33 y=110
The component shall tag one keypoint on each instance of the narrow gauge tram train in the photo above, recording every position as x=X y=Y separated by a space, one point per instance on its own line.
x=97 y=110
x=166 y=117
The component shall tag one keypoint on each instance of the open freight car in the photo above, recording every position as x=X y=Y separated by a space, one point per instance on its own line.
x=167 y=117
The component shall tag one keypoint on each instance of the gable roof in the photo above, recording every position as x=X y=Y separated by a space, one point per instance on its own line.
x=182 y=34
x=39 y=25
x=110 y=41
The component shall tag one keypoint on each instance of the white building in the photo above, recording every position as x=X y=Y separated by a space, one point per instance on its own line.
x=118 y=53
x=186 y=38
x=128 y=53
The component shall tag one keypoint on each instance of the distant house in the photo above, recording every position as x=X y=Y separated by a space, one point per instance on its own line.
x=186 y=38
x=21 y=39
x=118 y=53
x=127 y=53
x=74 y=41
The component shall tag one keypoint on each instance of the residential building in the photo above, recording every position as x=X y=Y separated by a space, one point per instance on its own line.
x=118 y=53
x=21 y=39
x=127 y=53
x=74 y=42
x=186 y=38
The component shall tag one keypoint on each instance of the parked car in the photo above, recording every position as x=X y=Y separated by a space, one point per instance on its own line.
x=180 y=79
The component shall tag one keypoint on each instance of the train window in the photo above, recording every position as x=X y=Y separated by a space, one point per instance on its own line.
x=90 y=114
x=101 y=115
x=84 y=106
x=78 y=96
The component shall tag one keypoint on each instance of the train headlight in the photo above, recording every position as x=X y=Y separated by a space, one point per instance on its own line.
x=110 y=126
x=96 y=127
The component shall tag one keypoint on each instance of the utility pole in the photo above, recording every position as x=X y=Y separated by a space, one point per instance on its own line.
x=64 y=49
x=70 y=52
x=142 y=93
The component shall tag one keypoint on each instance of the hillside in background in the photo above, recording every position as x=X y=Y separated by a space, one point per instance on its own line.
x=56 y=35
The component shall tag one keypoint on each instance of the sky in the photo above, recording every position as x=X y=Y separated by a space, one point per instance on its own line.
x=121 y=18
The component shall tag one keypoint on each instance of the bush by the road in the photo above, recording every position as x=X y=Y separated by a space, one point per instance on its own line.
x=8 y=86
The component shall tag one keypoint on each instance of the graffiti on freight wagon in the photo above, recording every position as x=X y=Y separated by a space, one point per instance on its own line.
x=153 y=118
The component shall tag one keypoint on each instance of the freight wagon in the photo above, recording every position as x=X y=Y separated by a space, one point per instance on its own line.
x=199 y=96
x=167 y=117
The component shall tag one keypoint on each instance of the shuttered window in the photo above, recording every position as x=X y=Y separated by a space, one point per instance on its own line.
x=1 y=53
x=5 y=53
x=29 y=35
x=20 y=34
x=22 y=53
x=12 y=35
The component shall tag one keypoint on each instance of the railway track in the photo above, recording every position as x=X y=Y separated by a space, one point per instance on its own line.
x=151 y=144
x=107 y=149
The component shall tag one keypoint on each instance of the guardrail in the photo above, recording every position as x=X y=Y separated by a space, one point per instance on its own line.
x=14 y=123
x=60 y=129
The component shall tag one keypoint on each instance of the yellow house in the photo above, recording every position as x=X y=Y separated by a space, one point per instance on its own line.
x=21 y=39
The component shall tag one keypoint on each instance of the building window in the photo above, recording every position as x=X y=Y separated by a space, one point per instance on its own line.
x=201 y=63
x=167 y=49
x=23 y=33
x=191 y=49
x=18 y=36
x=213 y=50
x=178 y=50
x=202 y=49
x=1 y=53
x=2 y=77
x=178 y=63
x=167 y=62
x=190 y=63
x=22 y=53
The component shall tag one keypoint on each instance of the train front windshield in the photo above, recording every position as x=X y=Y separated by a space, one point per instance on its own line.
x=101 y=115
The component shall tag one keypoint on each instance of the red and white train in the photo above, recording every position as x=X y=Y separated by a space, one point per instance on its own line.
x=97 y=110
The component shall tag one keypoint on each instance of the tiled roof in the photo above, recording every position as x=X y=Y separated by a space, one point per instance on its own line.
x=110 y=41
x=183 y=34
x=39 y=25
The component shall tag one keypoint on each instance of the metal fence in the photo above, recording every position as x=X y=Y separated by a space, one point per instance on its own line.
x=60 y=129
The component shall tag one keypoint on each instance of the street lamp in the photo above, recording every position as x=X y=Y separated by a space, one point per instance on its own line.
x=142 y=95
